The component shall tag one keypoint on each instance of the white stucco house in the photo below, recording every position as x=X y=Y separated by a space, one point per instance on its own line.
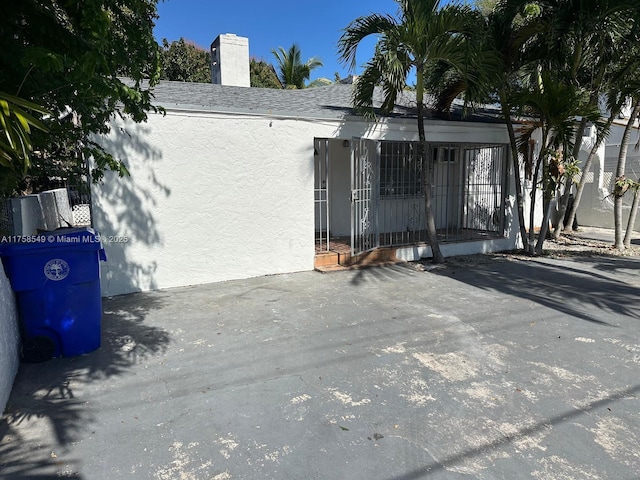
x=234 y=182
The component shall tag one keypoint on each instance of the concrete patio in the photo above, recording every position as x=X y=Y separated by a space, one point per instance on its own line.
x=504 y=369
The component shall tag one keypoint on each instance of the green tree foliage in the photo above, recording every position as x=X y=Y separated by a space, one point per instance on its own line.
x=320 y=82
x=263 y=75
x=183 y=61
x=291 y=71
x=554 y=107
x=555 y=61
x=68 y=58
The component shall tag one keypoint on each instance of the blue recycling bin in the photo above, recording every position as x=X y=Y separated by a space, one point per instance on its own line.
x=56 y=280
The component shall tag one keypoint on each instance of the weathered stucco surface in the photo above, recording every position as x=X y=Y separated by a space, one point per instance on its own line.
x=210 y=198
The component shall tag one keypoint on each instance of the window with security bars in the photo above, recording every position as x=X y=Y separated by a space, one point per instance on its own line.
x=468 y=183
x=400 y=170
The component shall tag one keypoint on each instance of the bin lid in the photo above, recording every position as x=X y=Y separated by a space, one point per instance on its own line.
x=83 y=238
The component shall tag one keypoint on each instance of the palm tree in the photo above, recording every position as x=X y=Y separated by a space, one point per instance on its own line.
x=622 y=183
x=500 y=35
x=562 y=37
x=554 y=108
x=291 y=71
x=587 y=44
x=423 y=35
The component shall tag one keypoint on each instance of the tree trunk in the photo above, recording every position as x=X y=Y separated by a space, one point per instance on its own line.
x=587 y=166
x=516 y=170
x=533 y=247
x=617 y=222
x=620 y=169
x=544 y=226
x=544 y=229
x=562 y=209
x=632 y=217
x=564 y=199
x=427 y=174
x=580 y=187
x=432 y=233
x=532 y=210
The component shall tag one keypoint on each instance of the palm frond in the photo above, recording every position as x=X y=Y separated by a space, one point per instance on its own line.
x=292 y=72
x=16 y=125
x=358 y=30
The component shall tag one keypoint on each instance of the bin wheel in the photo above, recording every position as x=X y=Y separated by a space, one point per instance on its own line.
x=38 y=349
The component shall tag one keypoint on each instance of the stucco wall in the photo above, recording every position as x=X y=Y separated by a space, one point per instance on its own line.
x=210 y=198
x=9 y=339
x=215 y=197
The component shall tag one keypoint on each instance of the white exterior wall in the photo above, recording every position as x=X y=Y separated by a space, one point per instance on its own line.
x=210 y=198
x=596 y=207
x=9 y=339
x=215 y=197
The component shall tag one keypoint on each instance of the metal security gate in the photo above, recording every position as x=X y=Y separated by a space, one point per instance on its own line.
x=321 y=193
x=484 y=190
x=364 y=195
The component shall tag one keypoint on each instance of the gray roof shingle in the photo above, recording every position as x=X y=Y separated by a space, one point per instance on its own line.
x=327 y=102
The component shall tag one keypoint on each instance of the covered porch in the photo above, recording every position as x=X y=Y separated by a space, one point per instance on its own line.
x=369 y=197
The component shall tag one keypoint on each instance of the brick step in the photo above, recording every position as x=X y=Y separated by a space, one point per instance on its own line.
x=326 y=259
x=333 y=261
x=385 y=254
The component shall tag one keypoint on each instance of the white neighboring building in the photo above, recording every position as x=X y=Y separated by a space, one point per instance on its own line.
x=596 y=204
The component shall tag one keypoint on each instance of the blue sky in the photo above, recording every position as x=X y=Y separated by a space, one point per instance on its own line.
x=314 y=26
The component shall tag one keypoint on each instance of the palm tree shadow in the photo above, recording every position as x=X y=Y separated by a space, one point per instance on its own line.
x=50 y=395
x=577 y=289
x=501 y=442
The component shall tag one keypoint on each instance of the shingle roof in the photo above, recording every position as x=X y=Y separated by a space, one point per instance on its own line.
x=327 y=102
x=332 y=101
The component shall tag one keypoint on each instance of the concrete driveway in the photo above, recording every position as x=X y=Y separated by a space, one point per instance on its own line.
x=507 y=369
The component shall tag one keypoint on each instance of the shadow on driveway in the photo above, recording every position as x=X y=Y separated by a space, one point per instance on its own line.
x=568 y=416
x=51 y=390
x=581 y=287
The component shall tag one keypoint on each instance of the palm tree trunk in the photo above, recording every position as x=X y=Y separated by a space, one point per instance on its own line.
x=427 y=173
x=580 y=186
x=562 y=209
x=632 y=217
x=532 y=210
x=613 y=114
x=533 y=247
x=516 y=169
x=564 y=199
x=620 y=169
x=544 y=228
x=546 y=205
